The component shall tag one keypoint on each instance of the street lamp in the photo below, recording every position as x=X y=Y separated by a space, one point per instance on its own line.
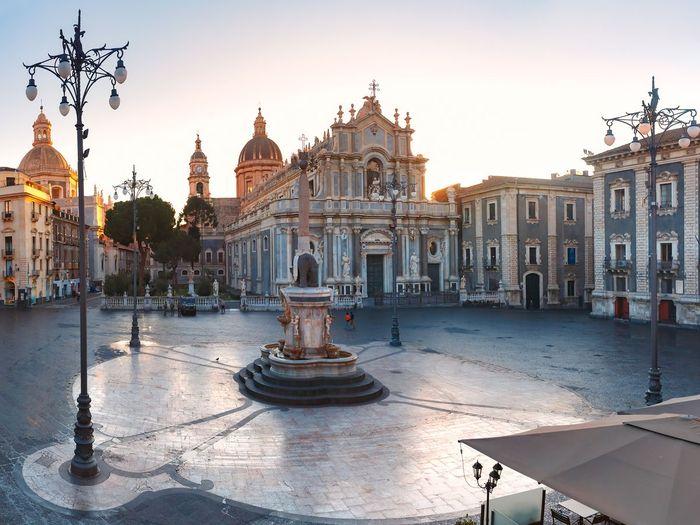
x=653 y=123
x=78 y=70
x=392 y=190
x=134 y=188
x=490 y=484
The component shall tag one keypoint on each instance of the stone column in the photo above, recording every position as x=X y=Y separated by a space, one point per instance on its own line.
x=356 y=255
x=690 y=227
x=399 y=251
x=641 y=255
x=330 y=267
x=424 y=251
x=588 y=251
x=479 y=245
x=599 y=233
x=552 y=250
x=509 y=247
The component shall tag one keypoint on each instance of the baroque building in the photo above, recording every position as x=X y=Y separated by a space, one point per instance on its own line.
x=350 y=230
x=530 y=239
x=621 y=221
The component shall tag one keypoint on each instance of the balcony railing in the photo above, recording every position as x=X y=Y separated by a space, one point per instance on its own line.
x=8 y=253
x=668 y=266
x=491 y=265
x=617 y=265
x=7 y=215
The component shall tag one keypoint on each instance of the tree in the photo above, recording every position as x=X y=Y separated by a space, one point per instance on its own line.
x=178 y=245
x=155 y=222
x=198 y=214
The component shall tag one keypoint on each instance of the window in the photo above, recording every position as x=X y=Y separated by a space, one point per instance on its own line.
x=8 y=206
x=220 y=272
x=619 y=195
x=433 y=248
x=253 y=245
x=569 y=212
x=235 y=249
x=620 y=252
x=311 y=188
x=467 y=213
x=532 y=254
x=220 y=257
x=570 y=255
x=570 y=288
x=532 y=210
x=207 y=257
x=266 y=243
x=196 y=272
x=666 y=285
x=621 y=284
x=493 y=255
x=184 y=273
x=666 y=195
x=10 y=181
x=200 y=189
x=666 y=251
x=249 y=187
x=468 y=257
x=245 y=247
x=492 y=211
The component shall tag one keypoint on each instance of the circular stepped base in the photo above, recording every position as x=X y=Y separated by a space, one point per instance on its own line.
x=259 y=382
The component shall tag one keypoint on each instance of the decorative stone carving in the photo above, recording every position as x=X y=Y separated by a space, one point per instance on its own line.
x=346 y=266
x=413 y=265
x=215 y=288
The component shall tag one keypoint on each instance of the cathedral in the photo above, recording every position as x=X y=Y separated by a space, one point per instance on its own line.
x=350 y=220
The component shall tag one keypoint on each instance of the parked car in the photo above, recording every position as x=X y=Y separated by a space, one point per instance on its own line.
x=187 y=306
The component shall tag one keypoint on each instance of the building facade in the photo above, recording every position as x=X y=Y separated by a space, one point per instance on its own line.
x=66 y=247
x=621 y=222
x=530 y=239
x=26 y=238
x=351 y=236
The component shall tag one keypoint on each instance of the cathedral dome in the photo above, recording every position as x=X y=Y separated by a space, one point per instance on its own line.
x=260 y=147
x=43 y=157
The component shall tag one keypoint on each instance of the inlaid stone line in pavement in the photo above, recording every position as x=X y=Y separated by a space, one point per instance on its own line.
x=173 y=418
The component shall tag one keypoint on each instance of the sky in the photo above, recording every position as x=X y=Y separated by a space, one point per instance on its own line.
x=501 y=87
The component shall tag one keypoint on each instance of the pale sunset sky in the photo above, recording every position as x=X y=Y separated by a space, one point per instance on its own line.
x=494 y=87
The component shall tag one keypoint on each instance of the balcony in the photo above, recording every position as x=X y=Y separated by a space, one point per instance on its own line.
x=35 y=274
x=670 y=266
x=8 y=253
x=491 y=265
x=36 y=252
x=617 y=265
x=47 y=220
x=35 y=216
x=8 y=215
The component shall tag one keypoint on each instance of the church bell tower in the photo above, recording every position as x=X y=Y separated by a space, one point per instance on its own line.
x=199 y=172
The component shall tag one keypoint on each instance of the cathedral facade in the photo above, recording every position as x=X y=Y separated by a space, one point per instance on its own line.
x=350 y=221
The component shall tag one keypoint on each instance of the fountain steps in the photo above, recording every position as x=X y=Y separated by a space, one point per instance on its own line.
x=259 y=382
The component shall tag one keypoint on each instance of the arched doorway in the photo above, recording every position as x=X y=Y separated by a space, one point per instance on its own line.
x=533 y=287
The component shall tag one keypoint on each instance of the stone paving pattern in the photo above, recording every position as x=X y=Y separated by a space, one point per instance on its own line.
x=452 y=359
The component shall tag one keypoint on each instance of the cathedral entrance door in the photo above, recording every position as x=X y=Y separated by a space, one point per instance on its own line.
x=375 y=275
x=434 y=274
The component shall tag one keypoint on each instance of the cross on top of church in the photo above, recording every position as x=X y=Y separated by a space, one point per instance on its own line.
x=373 y=88
x=304 y=140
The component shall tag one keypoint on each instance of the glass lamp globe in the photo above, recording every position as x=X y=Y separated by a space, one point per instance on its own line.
x=414 y=194
x=114 y=100
x=684 y=141
x=64 y=106
x=124 y=190
x=635 y=145
x=31 y=90
x=644 y=127
x=693 y=130
x=64 y=67
x=116 y=195
x=120 y=72
x=609 y=138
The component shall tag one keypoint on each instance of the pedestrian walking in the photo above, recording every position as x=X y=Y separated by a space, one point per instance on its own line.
x=349 y=320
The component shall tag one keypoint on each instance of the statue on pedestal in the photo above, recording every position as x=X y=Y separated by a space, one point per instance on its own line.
x=413 y=264
x=170 y=290
x=346 y=266
x=215 y=288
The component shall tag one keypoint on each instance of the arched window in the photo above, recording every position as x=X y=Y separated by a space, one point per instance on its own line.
x=200 y=189
x=184 y=273
x=196 y=272
x=207 y=256
x=220 y=272
x=266 y=243
x=220 y=257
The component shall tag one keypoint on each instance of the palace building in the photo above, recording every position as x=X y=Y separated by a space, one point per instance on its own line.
x=621 y=221
x=351 y=236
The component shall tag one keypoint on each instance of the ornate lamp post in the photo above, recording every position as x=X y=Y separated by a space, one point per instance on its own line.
x=392 y=190
x=491 y=484
x=78 y=70
x=653 y=123
x=134 y=188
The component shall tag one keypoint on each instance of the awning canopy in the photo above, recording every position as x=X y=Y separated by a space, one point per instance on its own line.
x=641 y=469
x=680 y=405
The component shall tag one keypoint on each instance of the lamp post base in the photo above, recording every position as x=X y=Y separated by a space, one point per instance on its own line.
x=83 y=465
x=653 y=394
x=395 y=339
x=135 y=341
